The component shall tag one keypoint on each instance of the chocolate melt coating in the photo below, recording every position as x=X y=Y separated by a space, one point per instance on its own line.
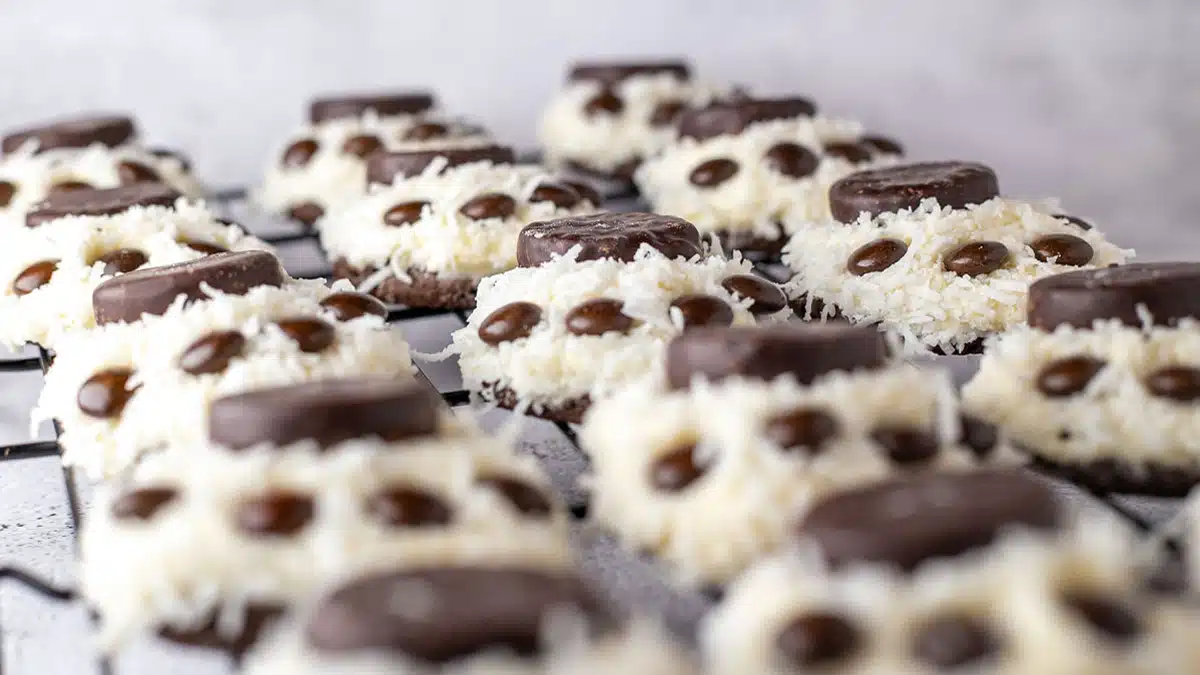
x=607 y=235
x=100 y=202
x=326 y=411
x=894 y=188
x=609 y=74
x=151 y=290
x=442 y=614
x=352 y=105
x=732 y=117
x=80 y=132
x=803 y=350
x=1169 y=291
x=384 y=167
x=906 y=521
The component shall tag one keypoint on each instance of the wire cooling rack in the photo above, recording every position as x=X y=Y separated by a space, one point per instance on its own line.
x=54 y=592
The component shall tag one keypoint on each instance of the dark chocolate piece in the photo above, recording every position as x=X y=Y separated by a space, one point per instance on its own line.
x=609 y=74
x=326 y=411
x=906 y=521
x=732 y=117
x=151 y=290
x=80 y=132
x=438 y=615
x=353 y=105
x=1169 y=291
x=100 y=202
x=607 y=235
x=891 y=189
x=803 y=350
x=384 y=167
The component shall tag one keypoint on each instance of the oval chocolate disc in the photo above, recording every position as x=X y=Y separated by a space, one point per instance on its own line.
x=609 y=74
x=803 y=350
x=894 y=188
x=384 y=167
x=906 y=521
x=353 y=105
x=107 y=130
x=732 y=117
x=100 y=202
x=151 y=290
x=326 y=411
x=1166 y=292
x=438 y=615
x=607 y=235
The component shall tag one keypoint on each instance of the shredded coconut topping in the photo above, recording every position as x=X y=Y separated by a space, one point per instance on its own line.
x=752 y=491
x=64 y=304
x=331 y=177
x=443 y=240
x=928 y=306
x=152 y=347
x=1115 y=416
x=757 y=198
x=605 y=141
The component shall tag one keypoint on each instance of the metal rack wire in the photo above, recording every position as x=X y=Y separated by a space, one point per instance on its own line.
x=453 y=398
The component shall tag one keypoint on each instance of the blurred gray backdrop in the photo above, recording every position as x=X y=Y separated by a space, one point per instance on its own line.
x=1095 y=101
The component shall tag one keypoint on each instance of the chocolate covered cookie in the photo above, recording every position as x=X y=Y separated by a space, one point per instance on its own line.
x=324 y=163
x=974 y=572
x=742 y=170
x=1100 y=344
x=611 y=116
x=424 y=238
x=592 y=306
x=750 y=425
x=931 y=253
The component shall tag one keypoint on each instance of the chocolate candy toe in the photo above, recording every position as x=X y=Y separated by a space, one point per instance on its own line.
x=676 y=470
x=765 y=297
x=1062 y=249
x=299 y=154
x=513 y=321
x=384 y=167
x=142 y=503
x=876 y=256
x=792 y=160
x=526 y=499
x=976 y=258
x=607 y=235
x=597 y=317
x=348 y=305
x=438 y=615
x=100 y=202
x=804 y=351
x=1166 y=291
x=108 y=130
x=562 y=196
x=604 y=103
x=275 y=514
x=212 y=353
x=105 y=394
x=8 y=190
x=953 y=641
x=327 y=412
x=906 y=521
x=711 y=173
x=609 y=74
x=732 y=117
x=131 y=173
x=490 y=205
x=151 y=290
x=699 y=309
x=818 y=639
x=887 y=190
x=361 y=146
x=34 y=277
x=122 y=260
x=354 y=105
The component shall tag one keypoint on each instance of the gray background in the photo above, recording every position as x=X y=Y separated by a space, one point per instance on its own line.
x=1095 y=101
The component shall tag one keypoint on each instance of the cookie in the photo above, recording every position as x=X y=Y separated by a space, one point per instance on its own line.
x=269 y=531
x=29 y=177
x=1063 y=389
x=899 y=188
x=942 y=278
x=330 y=108
x=998 y=586
x=710 y=478
x=744 y=170
x=50 y=272
x=551 y=339
x=428 y=237
x=467 y=618
x=107 y=130
x=610 y=116
x=108 y=387
x=617 y=236
x=324 y=163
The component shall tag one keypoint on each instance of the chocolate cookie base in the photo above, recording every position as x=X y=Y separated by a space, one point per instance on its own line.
x=1112 y=476
x=572 y=411
x=258 y=618
x=426 y=289
x=755 y=248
